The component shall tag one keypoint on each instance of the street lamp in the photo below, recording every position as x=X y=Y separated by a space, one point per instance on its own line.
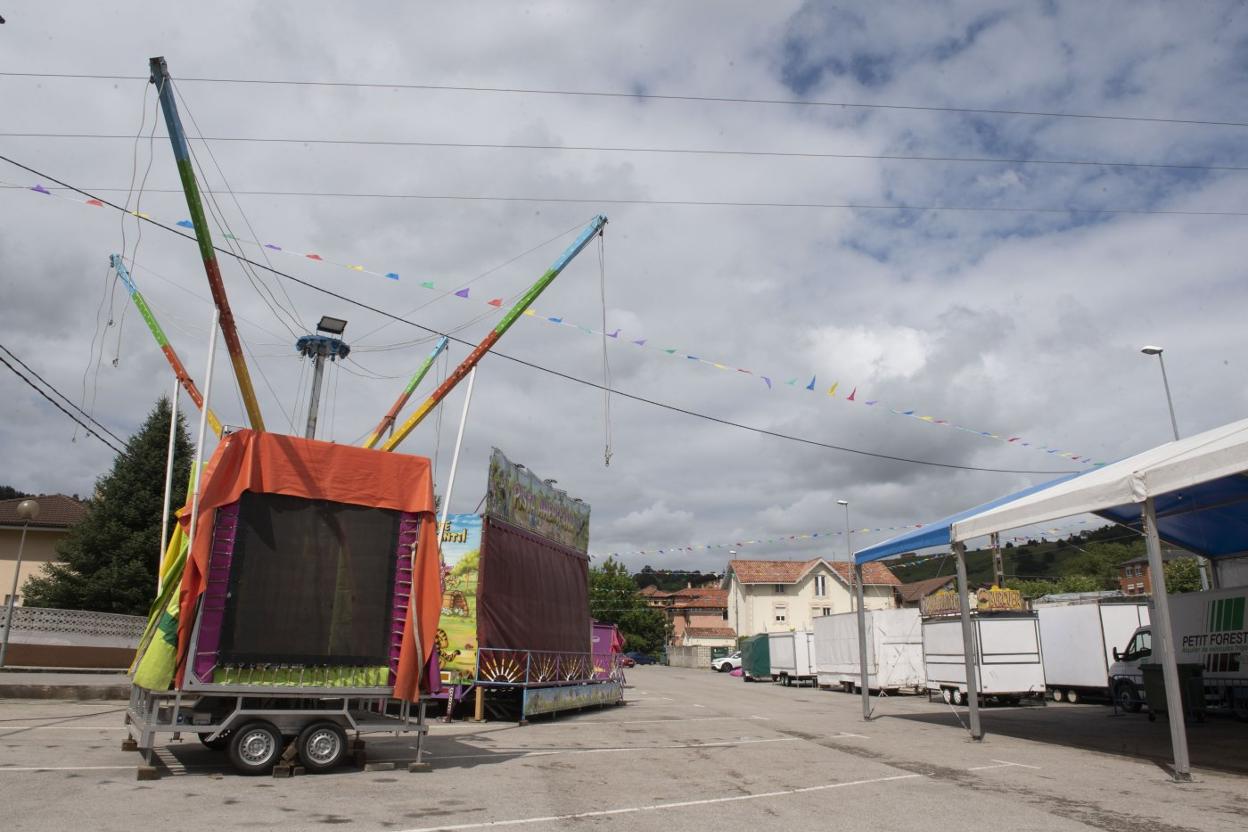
x=1157 y=351
x=27 y=510
x=849 y=551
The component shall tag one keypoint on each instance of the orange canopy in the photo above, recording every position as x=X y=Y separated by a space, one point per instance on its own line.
x=272 y=463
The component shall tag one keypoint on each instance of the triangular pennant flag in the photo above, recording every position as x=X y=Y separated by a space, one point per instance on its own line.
x=462 y=293
x=552 y=320
x=39 y=189
x=428 y=284
x=670 y=352
x=641 y=342
x=693 y=358
x=871 y=403
x=764 y=378
x=530 y=312
x=747 y=372
x=357 y=268
x=270 y=245
x=851 y=395
x=95 y=202
x=186 y=223
x=309 y=256
x=586 y=330
x=615 y=334
x=496 y=303
x=811 y=386
x=832 y=389
x=392 y=275
x=791 y=382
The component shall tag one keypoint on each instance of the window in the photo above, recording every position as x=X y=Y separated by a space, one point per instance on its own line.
x=781 y=613
x=821 y=587
x=826 y=611
x=779 y=589
x=725 y=613
x=1141 y=647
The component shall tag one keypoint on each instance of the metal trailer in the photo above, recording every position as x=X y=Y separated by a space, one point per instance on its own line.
x=265 y=731
x=1008 y=660
x=894 y=651
x=756 y=659
x=1079 y=641
x=792 y=657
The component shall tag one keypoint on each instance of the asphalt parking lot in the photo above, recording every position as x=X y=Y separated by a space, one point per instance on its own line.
x=693 y=750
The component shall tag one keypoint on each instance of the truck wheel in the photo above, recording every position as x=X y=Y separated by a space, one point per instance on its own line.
x=1072 y=696
x=1057 y=694
x=946 y=695
x=255 y=747
x=322 y=746
x=1126 y=697
x=958 y=696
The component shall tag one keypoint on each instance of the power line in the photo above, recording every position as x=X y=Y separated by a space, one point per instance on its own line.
x=66 y=399
x=609 y=94
x=539 y=367
x=679 y=203
x=90 y=431
x=684 y=151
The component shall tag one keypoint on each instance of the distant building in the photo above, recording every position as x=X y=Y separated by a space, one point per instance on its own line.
x=57 y=513
x=912 y=594
x=700 y=617
x=1136 y=578
x=775 y=596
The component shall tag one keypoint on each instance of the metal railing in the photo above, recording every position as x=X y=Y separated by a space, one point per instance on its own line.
x=126 y=629
x=533 y=668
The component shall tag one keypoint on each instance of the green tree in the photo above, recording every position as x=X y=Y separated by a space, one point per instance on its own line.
x=108 y=561
x=1182 y=575
x=614 y=599
x=8 y=492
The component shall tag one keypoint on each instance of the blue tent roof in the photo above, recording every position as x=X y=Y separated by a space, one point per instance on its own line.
x=937 y=533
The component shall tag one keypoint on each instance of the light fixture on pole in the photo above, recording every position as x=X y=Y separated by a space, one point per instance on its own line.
x=27 y=511
x=317 y=347
x=1157 y=351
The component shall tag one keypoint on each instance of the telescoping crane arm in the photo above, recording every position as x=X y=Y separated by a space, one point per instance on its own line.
x=459 y=373
x=182 y=155
x=388 y=420
x=184 y=378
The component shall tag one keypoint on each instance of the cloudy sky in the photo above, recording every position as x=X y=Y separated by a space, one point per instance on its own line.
x=939 y=290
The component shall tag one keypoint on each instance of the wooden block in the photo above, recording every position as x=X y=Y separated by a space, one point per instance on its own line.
x=129 y=744
x=419 y=768
x=146 y=773
x=282 y=771
x=379 y=767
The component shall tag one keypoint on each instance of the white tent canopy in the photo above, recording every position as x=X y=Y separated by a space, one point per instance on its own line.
x=1174 y=466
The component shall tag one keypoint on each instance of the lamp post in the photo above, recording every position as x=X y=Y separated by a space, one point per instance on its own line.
x=1157 y=351
x=27 y=510
x=1151 y=349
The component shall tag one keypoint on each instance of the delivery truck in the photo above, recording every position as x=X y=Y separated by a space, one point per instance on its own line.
x=1008 y=660
x=792 y=657
x=1208 y=631
x=1079 y=640
x=894 y=651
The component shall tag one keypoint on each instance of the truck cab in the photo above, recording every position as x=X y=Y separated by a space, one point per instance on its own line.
x=1125 y=673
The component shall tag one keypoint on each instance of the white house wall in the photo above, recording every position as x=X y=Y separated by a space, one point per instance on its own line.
x=752 y=607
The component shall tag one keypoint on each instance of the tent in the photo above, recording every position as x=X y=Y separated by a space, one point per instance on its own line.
x=1191 y=492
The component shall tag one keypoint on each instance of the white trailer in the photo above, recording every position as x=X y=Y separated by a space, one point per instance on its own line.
x=1008 y=658
x=1079 y=640
x=792 y=657
x=894 y=650
x=1211 y=631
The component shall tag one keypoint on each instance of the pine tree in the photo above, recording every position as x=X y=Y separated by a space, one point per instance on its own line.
x=614 y=599
x=108 y=561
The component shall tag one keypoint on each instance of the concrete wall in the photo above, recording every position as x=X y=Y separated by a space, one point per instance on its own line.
x=690 y=656
x=40 y=549
x=752 y=607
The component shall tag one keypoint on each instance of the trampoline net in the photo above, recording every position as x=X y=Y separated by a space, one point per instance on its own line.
x=311 y=583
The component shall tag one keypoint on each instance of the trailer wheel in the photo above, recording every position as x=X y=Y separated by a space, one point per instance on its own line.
x=946 y=695
x=255 y=747
x=322 y=746
x=1072 y=696
x=958 y=696
x=1057 y=694
x=1127 y=698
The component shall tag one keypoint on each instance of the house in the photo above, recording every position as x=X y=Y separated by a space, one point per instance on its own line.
x=699 y=617
x=56 y=514
x=1135 y=577
x=773 y=596
x=912 y=594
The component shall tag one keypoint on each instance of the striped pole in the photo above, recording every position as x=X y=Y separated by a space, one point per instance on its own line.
x=389 y=419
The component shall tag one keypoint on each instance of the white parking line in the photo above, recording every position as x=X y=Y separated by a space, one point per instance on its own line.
x=856 y=736
x=4 y=769
x=660 y=806
x=541 y=752
x=62 y=728
x=699 y=706
x=673 y=720
x=1002 y=764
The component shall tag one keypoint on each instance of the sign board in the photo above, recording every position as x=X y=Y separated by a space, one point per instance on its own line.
x=519 y=497
x=457 y=626
x=985 y=600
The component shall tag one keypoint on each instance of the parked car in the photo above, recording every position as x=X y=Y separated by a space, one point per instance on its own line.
x=726 y=663
x=627 y=661
x=640 y=658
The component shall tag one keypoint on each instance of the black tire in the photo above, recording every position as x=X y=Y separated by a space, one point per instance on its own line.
x=255 y=748
x=1073 y=697
x=219 y=744
x=1127 y=697
x=322 y=746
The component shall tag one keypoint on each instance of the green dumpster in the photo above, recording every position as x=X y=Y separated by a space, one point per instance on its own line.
x=1191 y=687
x=756 y=658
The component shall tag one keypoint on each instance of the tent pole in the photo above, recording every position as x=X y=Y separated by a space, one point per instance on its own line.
x=198 y=470
x=968 y=644
x=862 y=644
x=1163 y=648
x=459 y=441
x=164 y=515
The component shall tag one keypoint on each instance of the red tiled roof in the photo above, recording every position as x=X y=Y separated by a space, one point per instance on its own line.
x=704 y=599
x=770 y=571
x=710 y=632
x=56 y=511
x=873 y=574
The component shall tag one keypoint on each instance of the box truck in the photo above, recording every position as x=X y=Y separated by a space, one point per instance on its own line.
x=1008 y=660
x=756 y=659
x=1079 y=640
x=894 y=650
x=1209 y=631
x=792 y=657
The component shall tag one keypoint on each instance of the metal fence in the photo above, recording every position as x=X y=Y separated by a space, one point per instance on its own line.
x=531 y=668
